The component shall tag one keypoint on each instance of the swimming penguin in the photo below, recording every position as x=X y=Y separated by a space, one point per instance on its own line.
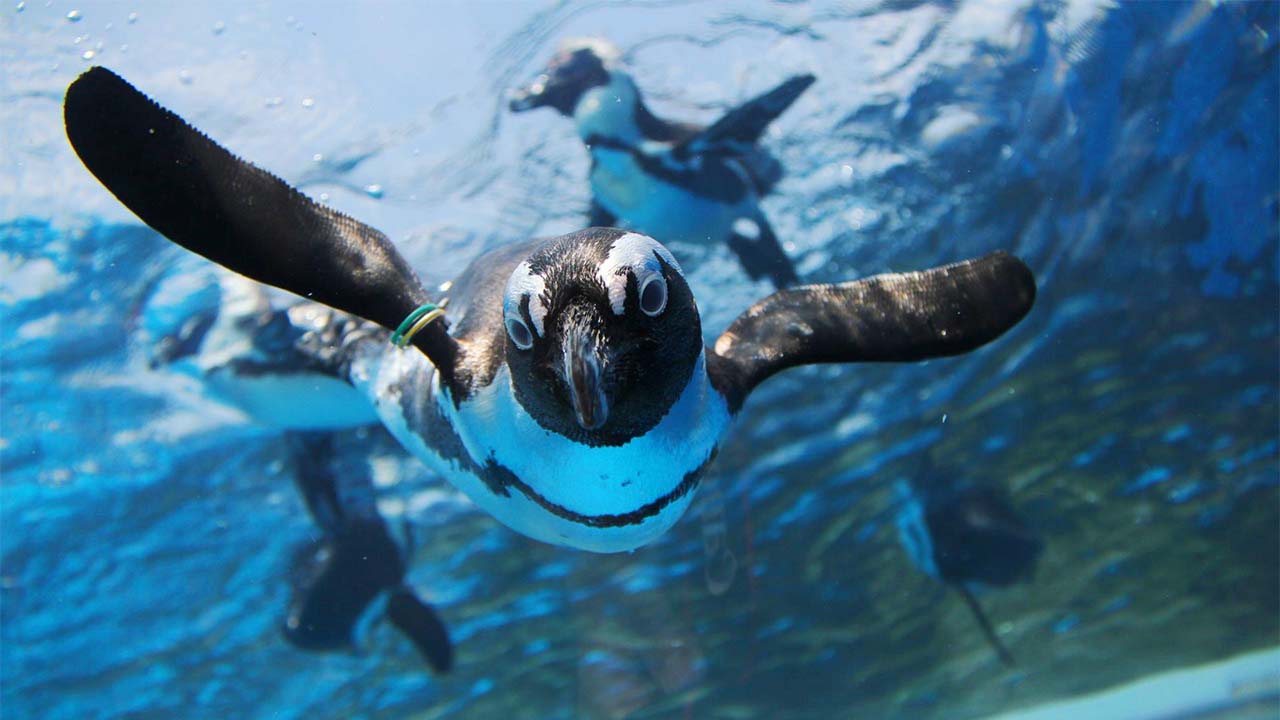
x=967 y=534
x=566 y=390
x=355 y=570
x=676 y=181
x=226 y=334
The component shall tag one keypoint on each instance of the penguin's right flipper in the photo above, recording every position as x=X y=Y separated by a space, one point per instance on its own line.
x=422 y=626
x=760 y=253
x=202 y=197
x=742 y=126
x=897 y=317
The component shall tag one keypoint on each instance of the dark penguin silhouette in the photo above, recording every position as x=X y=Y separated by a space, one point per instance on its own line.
x=337 y=579
x=676 y=181
x=226 y=335
x=567 y=390
x=967 y=534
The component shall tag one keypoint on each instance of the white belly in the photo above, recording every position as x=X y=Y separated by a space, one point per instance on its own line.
x=294 y=401
x=666 y=212
x=607 y=499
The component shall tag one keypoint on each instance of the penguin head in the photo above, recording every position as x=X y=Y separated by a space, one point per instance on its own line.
x=579 y=66
x=602 y=335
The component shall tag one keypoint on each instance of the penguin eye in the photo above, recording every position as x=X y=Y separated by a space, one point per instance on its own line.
x=519 y=333
x=653 y=295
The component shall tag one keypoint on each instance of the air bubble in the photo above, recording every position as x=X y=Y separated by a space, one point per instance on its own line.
x=184 y=77
x=273 y=101
x=308 y=103
x=373 y=191
x=133 y=18
x=87 y=55
x=73 y=16
x=21 y=6
x=747 y=228
x=219 y=27
x=317 y=157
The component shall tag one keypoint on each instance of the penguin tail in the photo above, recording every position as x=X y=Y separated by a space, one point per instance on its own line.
x=420 y=623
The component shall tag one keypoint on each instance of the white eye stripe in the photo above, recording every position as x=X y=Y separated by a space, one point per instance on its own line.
x=637 y=253
x=524 y=282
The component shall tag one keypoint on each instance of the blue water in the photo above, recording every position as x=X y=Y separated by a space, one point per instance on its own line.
x=1128 y=154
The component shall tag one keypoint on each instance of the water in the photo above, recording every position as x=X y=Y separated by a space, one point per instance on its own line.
x=1129 y=155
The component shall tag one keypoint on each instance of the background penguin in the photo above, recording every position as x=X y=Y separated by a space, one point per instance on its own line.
x=966 y=534
x=256 y=358
x=572 y=399
x=676 y=181
x=355 y=570
x=222 y=331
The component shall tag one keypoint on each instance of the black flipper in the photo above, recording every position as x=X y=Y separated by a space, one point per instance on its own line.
x=742 y=126
x=335 y=580
x=985 y=624
x=886 y=318
x=598 y=216
x=422 y=626
x=760 y=253
x=205 y=199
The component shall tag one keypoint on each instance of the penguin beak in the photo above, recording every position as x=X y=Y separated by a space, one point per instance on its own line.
x=534 y=96
x=584 y=371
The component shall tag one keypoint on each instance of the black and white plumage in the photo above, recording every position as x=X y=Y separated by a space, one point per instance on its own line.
x=680 y=182
x=571 y=396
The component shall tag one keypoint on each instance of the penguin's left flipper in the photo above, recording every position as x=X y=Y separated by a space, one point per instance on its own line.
x=202 y=197
x=742 y=126
x=760 y=253
x=418 y=622
x=887 y=318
